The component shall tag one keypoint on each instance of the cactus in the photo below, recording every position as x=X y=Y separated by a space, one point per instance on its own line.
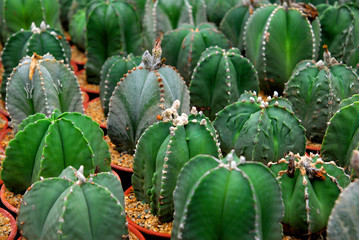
x=112 y=28
x=219 y=78
x=310 y=188
x=258 y=130
x=217 y=9
x=227 y=199
x=77 y=29
x=162 y=151
x=140 y=96
x=40 y=40
x=316 y=89
x=41 y=85
x=139 y=6
x=183 y=47
x=44 y=146
x=276 y=38
x=112 y=71
x=71 y=206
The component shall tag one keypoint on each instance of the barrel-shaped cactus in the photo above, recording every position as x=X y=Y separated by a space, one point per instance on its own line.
x=316 y=89
x=71 y=206
x=112 y=71
x=227 y=199
x=310 y=187
x=77 y=28
x=219 y=78
x=162 y=151
x=140 y=96
x=112 y=28
x=258 y=130
x=41 y=84
x=183 y=46
x=217 y=9
x=276 y=38
x=44 y=146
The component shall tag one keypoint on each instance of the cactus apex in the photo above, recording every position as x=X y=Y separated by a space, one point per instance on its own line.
x=80 y=176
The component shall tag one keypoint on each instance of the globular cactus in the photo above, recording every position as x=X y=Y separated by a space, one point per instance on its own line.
x=162 y=151
x=140 y=96
x=41 y=84
x=310 y=187
x=44 y=146
x=259 y=131
x=276 y=38
x=219 y=78
x=315 y=90
x=227 y=199
x=112 y=71
x=217 y=9
x=139 y=6
x=71 y=206
x=183 y=46
x=40 y=40
x=77 y=28
x=112 y=28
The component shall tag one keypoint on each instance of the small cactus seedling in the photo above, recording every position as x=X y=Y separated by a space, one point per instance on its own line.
x=310 y=187
x=316 y=89
x=260 y=131
x=219 y=78
x=71 y=206
x=43 y=147
x=77 y=28
x=226 y=199
x=162 y=151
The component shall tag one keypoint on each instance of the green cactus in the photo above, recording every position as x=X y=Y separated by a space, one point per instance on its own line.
x=310 y=188
x=139 y=6
x=41 y=85
x=73 y=207
x=162 y=151
x=258 y=130
x=65 y=6
x=44 y=146
x=217 y=9
x=219 y=78
x=112 y=28
x=316 y=89
x=276 y=38
x=111 y=73
x=40 y=40
x=140 y=96
x=77 y=28
x=226 y=199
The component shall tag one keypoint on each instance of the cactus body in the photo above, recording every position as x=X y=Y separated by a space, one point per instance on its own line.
x=310 y=188
x=216 y=200
x=52 y=207
x=217 y=9
x=77 y=29
x=219 y=78
x=183 y=47
x=112 y=28
x=43 y=147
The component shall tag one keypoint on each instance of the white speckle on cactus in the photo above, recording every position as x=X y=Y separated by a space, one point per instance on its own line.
x=194 y=111
x=43 y=26
x=251 y=99
x=276 y=104
x=269 y=98
x=203 y=122
x=275 y=94
x=259 y=99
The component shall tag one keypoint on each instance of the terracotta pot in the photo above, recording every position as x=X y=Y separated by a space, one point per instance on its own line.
x=103 y=126
x=3 y=131
x=312 y=149
x=85 y=99
x=74 y=66
x=84 y=88
x=5 y=202
x=125 y=175
x=12 y=223
x=4 y=118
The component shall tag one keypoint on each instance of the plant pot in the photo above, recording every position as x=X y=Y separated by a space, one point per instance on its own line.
x=2 y=135
x=5 y=202
x=6 y=124
x=125 y=175
x=87 y=87
x=12 y=223
x=74 y=66
x=96 y=101
x=85 y=99
x=312 y=149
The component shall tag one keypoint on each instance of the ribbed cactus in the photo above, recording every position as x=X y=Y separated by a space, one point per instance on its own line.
x=112 y=71
x=217 y=9
x=219 y=78
x=183 y=46
x=77 y=29
x=316 y=88
x=276 y=38
x=139 y=6
x=162 y=151
x=73 y=207
x=227 y=199
x=258 y=130
x=41 y=84
x=112 y=28
x=40 y=40
x=310 y=188
x=140 y=96
x=44 y=146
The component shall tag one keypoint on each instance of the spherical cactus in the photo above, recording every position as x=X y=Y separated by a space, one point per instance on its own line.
x=310 y=188
x=71 y=206
x=219 y=78
x=162 y=151
x=41 y=85
x=77 y=29
x=276 y=38
x=140 y=96
x=217 y=9
x=44 y=146
x=258 y=130
x=316 y=89
x=226 y=199
x=183 y=46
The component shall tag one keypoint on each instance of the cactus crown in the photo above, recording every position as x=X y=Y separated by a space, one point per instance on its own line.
x=154 y=61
